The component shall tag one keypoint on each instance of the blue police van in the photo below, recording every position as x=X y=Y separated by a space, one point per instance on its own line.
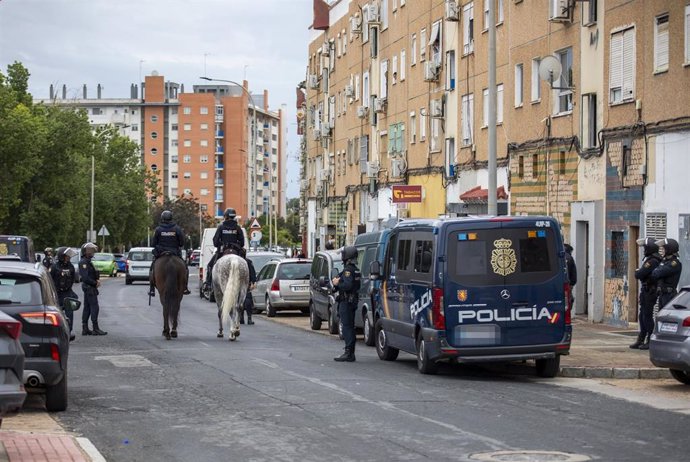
x=474 y=290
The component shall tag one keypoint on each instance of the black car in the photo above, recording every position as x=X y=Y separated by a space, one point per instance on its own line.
x=28 y=295
x=12 y=392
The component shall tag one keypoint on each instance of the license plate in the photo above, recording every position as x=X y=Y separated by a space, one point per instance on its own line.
x=668 y=327
x=300 y=288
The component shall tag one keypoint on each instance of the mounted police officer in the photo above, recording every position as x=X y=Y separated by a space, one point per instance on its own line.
x=667 y=274
x=63 y=274
x=228 y=235
x=168 y=238
x=48 y=258
x=89 y=284
x=647 y=291
x=347 y=284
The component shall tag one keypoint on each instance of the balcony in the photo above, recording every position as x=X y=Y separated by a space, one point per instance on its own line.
x=219 y=117
x=219 y=149
x=218 y=182
x=219 y=166
x=218 y=199
x=220 y=134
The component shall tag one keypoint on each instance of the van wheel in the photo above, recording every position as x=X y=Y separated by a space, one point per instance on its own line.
x=56 y=396
x=424 y=364
x=681 y=376
x=270 y=310
x=549 y=367
x=332 y=320
x=385 y=352
x=369 y=336
x=314 y=319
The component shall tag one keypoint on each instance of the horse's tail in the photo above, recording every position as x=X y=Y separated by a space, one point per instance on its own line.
x=232 y=289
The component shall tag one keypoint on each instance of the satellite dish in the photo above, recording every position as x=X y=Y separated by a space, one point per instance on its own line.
x=550 y=69
x=155 y=73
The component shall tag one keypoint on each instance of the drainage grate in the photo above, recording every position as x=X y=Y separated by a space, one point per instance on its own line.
x=529 y=456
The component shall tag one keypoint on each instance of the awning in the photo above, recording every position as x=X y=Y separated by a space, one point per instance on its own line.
x=477 y=194
x=434 y=33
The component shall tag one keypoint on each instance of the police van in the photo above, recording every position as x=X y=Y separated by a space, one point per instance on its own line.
x=474 y=290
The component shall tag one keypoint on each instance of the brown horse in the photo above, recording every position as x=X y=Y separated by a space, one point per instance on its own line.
x=170 y=277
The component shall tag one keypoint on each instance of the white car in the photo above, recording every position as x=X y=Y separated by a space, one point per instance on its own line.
x=139 y=261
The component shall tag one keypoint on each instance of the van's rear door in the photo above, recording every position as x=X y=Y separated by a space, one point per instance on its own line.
x=504 y=284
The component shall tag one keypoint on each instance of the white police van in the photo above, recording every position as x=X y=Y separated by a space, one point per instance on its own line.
x=474 y=290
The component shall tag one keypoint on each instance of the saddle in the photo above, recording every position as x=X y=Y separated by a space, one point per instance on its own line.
x=233 y=250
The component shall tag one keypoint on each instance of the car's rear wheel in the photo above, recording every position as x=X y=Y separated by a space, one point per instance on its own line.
x=56 y=396
x=548 y=367
x=333 y=320
x=314 y=319
x=424 y=364
x=270 y=310
x=128 y=281
x=369 y=336
x=385 y=352
x=681 y=376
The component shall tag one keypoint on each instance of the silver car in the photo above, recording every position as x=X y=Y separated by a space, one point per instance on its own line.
x=669 y=345
x=283 y=285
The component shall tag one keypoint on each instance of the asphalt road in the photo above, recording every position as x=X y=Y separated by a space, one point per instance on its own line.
x=276 y=394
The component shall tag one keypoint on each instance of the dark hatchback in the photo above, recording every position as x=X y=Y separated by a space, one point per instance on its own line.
x=12 y=391
x=27 y=294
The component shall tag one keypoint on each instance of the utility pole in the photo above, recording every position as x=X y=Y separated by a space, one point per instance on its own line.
x=491 y=197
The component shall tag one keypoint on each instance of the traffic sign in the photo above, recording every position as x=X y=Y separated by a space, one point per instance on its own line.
x=103 y=231
x=255 y=224
x=255 y=235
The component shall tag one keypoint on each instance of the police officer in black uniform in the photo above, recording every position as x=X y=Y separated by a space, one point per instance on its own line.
x=347 y=284
x=63 y=274
x=169 y=238
x=89 y=284
x=248 y=300
x=647 y=291
x=228 y=235
x=572 y=271
x=667 y=274
x=48 y=258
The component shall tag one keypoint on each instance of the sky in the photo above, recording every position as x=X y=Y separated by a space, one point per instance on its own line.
x=113 y=42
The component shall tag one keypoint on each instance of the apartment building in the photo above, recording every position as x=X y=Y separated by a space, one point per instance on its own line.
x=202 y=144
x=592 y=124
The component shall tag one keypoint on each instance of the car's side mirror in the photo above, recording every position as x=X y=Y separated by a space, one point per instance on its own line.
x=71 y=303
x=375 y=270
x=322 y=281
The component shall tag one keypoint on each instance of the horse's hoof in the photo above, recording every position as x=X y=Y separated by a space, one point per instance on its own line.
x=232 y=339
x=167 y=336
x=237 y=334
x=220 y=334
x=173 y=334
x=165 y=333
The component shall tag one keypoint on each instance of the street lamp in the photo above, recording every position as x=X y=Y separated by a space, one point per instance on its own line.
x=252 y=151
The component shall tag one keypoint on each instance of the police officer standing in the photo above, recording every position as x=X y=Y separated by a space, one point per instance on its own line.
x=169 y=238
x=347 y=284
x=667 y=274
x=228 y=235
x=89 y=284
x=647 y=291
x=63 y=274
x=48 y=258
x=572 y=271
x=248 y=300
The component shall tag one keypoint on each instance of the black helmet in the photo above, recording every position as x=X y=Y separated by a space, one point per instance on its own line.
x=670 y=245
x=229 y=213
x=650 y=247
x=348 y=253
x=166 y=216
x=89 y=249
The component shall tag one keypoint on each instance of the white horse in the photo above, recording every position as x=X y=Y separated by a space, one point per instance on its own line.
x=230 y=284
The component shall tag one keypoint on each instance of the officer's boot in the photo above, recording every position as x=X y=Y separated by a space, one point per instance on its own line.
x=97 y=331
x=85 y=329
x=645 y=343
x=186 y=285
x=249 y=318
x=347 y=356
x=638 y=342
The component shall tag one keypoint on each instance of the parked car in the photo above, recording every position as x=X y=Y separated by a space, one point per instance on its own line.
x=322 y=304
x=12 y=393
x=121 y=262
x=139 y=261
x=370 y=247
x=669 y=345
x=27 y=294
x=194 y=258
x=283 y=285
x=105 y=264
x=260 y=258
x=17 y=246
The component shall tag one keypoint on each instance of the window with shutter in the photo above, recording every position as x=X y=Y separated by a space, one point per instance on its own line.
x=383 y=90
x=363 y=153
x=661 y=43
x=518 y=85
x=392 y=136
x=616 y=68
x=402 y=65
x=687 y=34
x=468 y=28
x=467 y=119
x=401 y=137
x=536 y=84
x=629 y=65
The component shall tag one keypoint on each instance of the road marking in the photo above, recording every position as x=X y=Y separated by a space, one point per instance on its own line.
x=491 y=442
x=126 y=360
x=90 y=450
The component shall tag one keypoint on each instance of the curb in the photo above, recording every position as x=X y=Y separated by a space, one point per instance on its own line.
x=614 y=372
x=90 y=450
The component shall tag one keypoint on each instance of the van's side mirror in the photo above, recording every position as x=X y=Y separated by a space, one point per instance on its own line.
x=322 y=281
x=374 y=270
x=71 y=303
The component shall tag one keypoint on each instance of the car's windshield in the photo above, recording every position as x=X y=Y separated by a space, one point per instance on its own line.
x=140 y=256
x=259 y=261
x=19 y=290
x=103 y=257
x=296 y=270
x=14 y=246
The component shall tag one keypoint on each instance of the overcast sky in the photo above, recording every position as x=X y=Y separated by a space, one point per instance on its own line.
x=76 y=42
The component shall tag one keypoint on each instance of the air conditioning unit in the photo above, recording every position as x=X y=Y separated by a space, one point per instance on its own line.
x=349 y=91
x=356 y=24
x=403 y=213
x=303 y=184
x=317 y=135
x=362 y=111
x=559 y=10
x=431 y=71
x=380 y=105
x=372 y=169
x=313 y=81
x=324 y=174
x=398 y=168
x=373 y=13
x=326 y=129
x=452 y=10
x=436 y=108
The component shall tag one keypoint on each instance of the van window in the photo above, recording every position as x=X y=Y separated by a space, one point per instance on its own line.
x=423 y=256
x=404 y=254
x=504 y=256
x=366 y=256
